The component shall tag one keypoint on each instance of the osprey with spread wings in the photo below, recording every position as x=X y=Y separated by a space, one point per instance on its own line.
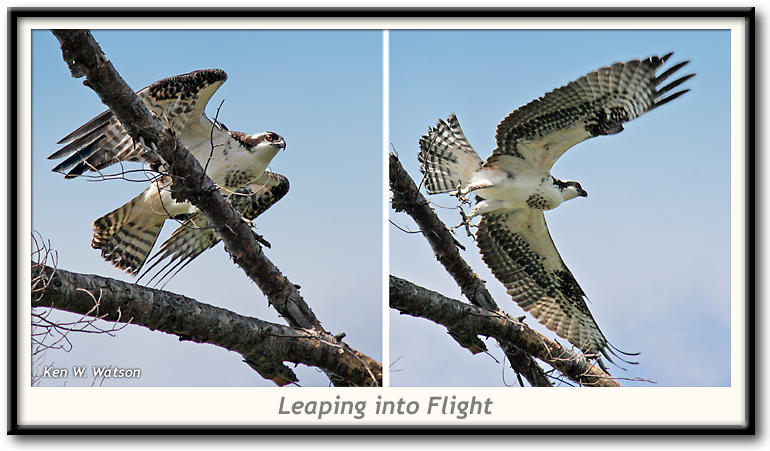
x=514 y=186
x=235 y=161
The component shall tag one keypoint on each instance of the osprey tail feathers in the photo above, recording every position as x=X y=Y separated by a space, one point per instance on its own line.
x=447 y=159
x=126 y=235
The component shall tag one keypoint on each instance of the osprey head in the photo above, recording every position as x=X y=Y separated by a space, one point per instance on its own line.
x=267 y=141
x=570 y=189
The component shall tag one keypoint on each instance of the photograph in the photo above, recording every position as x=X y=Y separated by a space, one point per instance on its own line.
x=288 y=126
x=382 y=221
x=634 y=264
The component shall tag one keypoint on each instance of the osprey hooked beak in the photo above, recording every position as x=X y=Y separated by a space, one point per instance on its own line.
x=281 y=143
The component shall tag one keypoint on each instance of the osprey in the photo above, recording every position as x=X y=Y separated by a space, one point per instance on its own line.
x=514 y=186
x=235 y=161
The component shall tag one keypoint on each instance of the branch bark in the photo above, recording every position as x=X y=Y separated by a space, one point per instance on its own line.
x=414 y=300
x=263 y=345
x=407 y=198
x=85 y=58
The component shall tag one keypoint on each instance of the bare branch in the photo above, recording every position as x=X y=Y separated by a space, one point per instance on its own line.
x=414 y=300
x=263 y=345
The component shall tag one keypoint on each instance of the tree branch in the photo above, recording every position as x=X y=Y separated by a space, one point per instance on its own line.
x=407 y=198
x=263 y=345
x=414 y=300
x=85 y=58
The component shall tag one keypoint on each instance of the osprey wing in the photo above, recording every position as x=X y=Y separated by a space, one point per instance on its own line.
x=593 y=105
x=195 y=235
x=518 y=248
x=103 y=141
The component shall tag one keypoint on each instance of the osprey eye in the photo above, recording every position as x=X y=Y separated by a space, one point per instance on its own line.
x=270 y=138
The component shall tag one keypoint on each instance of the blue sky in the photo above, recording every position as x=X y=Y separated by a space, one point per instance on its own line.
x=650 y=245
x=322 y=91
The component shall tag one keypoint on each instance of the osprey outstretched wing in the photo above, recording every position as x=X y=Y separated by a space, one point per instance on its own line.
x=514 y=186
x=233 y=160
x=596 y=104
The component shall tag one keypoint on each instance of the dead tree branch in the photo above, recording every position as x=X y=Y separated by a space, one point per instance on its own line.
x=85 y=58
x=414 y=300
x=263 y=345
x=407 y=198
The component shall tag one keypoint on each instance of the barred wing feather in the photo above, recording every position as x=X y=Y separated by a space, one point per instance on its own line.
x=196 y=235
x=596 y=104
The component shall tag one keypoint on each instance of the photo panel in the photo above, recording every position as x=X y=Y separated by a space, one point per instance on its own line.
x=318 y=92
x=648 y=249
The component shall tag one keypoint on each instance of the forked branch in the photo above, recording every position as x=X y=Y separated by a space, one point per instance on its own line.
x=414 y=300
